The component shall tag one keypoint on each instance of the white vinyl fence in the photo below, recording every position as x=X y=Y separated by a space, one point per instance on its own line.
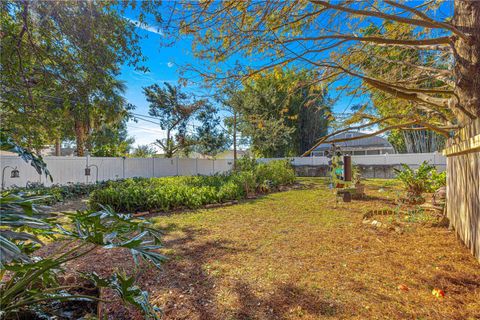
x=411 y=159
x=72 y=169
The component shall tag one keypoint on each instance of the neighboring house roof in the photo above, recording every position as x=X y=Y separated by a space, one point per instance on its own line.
x=364 y=143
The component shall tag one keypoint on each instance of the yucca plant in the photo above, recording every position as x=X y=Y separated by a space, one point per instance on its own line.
x=30 y=284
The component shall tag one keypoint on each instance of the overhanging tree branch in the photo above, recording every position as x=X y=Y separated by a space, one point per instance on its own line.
x=372 y=123
x=427 y=18
x=416 y=22
x=397 y=126
x=418 y=43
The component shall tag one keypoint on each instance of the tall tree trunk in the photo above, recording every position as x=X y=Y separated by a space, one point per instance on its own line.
x=234 y=140
x=467 y=59
x=58 y=147
x=169 y=146
x=80 y=134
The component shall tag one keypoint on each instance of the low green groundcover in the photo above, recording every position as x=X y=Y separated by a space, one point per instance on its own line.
x=142 y=194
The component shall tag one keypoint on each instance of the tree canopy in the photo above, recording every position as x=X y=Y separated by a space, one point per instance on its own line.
x=177 y=113
x=324 y=36
x=282 y=112
x=60 y=62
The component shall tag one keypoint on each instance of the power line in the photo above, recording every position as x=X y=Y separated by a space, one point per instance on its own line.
x=147 y=129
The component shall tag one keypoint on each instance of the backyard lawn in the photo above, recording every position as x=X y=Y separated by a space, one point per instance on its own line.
x=293 y=255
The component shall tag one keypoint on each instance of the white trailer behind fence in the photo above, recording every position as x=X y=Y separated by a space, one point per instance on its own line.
x=72 y=169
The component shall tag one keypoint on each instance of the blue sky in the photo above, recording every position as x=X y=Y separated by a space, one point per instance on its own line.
x=161 y=62
x=164 y=63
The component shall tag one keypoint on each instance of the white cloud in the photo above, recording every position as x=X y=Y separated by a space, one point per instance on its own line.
x=145 y=133
x=145 y=26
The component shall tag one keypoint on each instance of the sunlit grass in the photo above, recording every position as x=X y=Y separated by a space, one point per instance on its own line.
x=295 y=255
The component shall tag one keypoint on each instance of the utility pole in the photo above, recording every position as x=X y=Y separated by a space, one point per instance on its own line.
x=234 y=140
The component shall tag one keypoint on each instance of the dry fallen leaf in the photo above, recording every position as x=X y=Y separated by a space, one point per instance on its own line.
x=403 y=287
x=439 y=293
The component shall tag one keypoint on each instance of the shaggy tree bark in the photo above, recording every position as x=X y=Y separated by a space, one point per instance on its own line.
x=58 y=147
x=467 y=60
x=80 y=135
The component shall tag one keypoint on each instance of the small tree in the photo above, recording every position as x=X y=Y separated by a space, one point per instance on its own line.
x=209 y=137
x=282 y=111
x=174 y=110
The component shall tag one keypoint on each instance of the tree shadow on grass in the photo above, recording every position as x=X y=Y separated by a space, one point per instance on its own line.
x=285 y=301
x=188 y=285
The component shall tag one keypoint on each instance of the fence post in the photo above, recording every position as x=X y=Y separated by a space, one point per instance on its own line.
x=86 y=166
x=153 y=167
x=196 y=166
x=177 y=166
x=213 y=164
x=123 y=167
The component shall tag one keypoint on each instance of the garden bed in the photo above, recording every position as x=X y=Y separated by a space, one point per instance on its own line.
x=179 y=193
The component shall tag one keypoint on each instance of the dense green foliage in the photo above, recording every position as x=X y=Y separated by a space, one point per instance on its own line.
x=281 y=112
x=55 y=193
x=176 y=112
x=209 y=138
x=34 y=286
x=60 y=61
x=143 y=151
x=111 y=140
x=139 y=194
x=416 y=182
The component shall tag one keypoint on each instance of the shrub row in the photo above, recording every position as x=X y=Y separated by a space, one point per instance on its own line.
x=142 y=194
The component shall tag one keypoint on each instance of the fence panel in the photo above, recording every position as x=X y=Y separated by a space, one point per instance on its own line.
x=463 y=185
x=223 y=165
x=205 y=167
x=303 y=161
x=370 y=160
x=66 y=170
x=165 y=167
x=27 y=173
x=137 y=167
x=108 y=168
x=187 y=167
x=72 y=169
